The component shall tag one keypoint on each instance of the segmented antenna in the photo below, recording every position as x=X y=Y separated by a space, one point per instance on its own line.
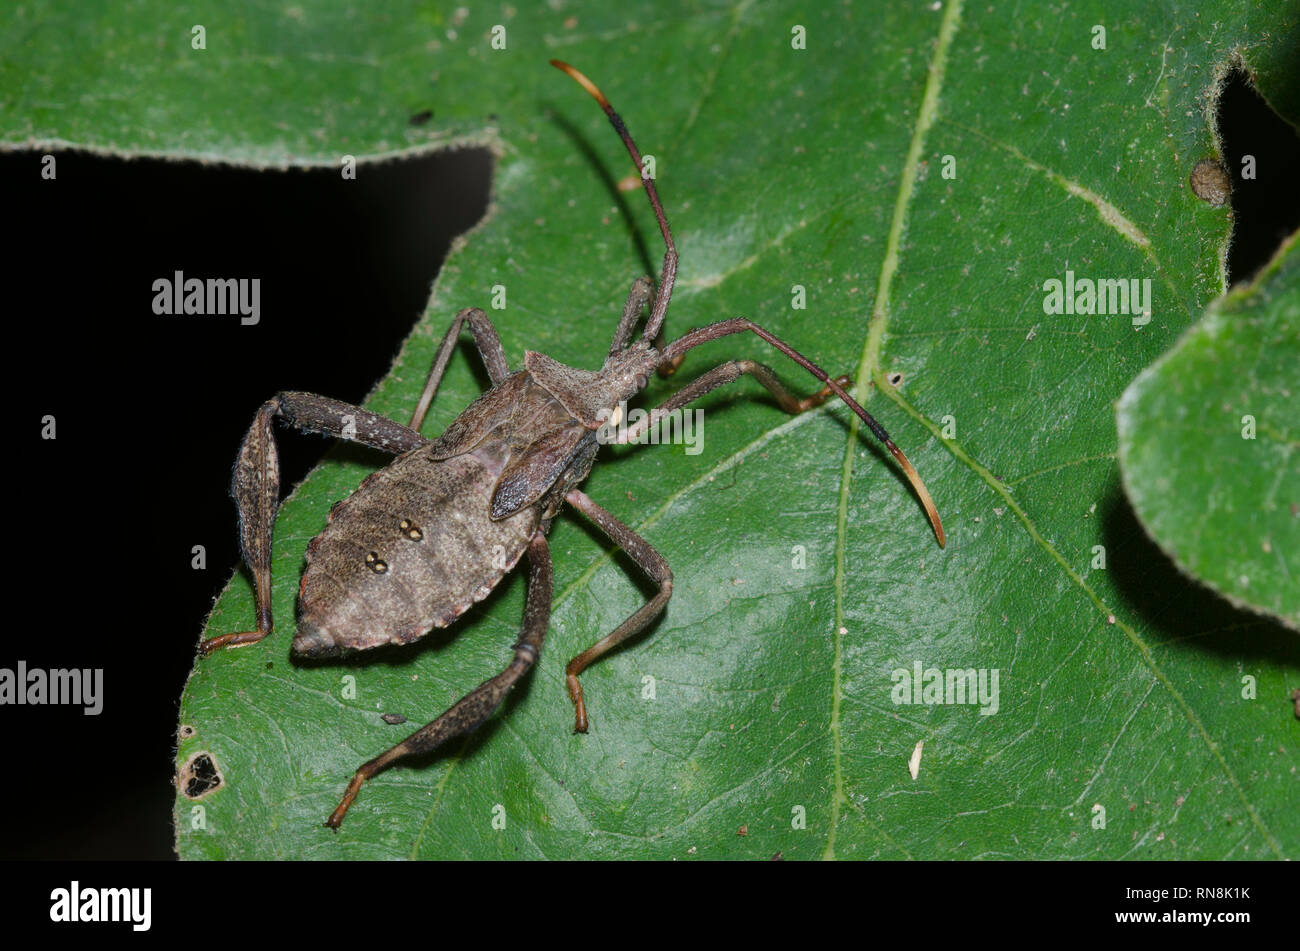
x=664 y=290
x=675 y=350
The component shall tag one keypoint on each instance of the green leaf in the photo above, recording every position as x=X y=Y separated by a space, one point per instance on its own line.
x=1208 y=440
x=773 y=712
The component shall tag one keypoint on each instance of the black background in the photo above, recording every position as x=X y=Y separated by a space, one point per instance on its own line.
x=150 y=411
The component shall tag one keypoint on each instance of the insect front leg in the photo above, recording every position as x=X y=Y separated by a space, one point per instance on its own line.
x=721 y=376
x=468 y=713
x=256 y=482
x=489 y=348
x=673 y=353
x=649 y=561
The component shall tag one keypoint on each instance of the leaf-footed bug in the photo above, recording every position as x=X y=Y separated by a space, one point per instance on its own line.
x=420 y=540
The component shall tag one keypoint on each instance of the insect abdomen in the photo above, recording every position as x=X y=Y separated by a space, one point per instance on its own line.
x=411 y=550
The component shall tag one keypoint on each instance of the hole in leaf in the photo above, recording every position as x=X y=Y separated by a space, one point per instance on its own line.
x=1266 y=208
x=345 y=269
x=199 y=776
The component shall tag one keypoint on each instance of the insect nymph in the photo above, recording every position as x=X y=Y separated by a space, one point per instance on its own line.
x=424 y=538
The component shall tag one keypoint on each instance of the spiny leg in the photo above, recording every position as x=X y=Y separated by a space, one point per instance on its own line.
x=468 y=713
x=256 y=482
x=677 y=349
x=649 y=561
x=489 y=348
x=721 y=376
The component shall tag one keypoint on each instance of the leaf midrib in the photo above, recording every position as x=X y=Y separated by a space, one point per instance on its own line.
x=869 y=370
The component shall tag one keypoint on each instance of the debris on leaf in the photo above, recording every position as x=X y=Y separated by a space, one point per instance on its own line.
x=914 y=764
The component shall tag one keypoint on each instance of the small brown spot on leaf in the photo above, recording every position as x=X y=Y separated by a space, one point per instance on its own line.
x=393 y=718
x=1210 y=182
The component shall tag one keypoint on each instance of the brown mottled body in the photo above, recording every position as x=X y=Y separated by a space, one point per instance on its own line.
x=428 y=525
x=438 y=528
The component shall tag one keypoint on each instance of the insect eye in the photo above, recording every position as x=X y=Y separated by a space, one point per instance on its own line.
x=641 y=381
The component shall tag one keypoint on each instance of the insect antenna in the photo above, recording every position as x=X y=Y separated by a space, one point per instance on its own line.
x=673 y=353
x=664 y=291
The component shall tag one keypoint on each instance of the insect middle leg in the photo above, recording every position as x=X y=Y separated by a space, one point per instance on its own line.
x=468 y=713
x=649 y=561
x=256 y=482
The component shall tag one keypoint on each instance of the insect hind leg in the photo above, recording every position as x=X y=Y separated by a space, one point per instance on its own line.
x=256 y=481
x=473 y=709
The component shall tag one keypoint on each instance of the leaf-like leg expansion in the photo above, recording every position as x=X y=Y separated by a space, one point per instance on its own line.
x=649 y=561
x=256 y=481
x=468 y=713
x=489 y=348
x=729 y=372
